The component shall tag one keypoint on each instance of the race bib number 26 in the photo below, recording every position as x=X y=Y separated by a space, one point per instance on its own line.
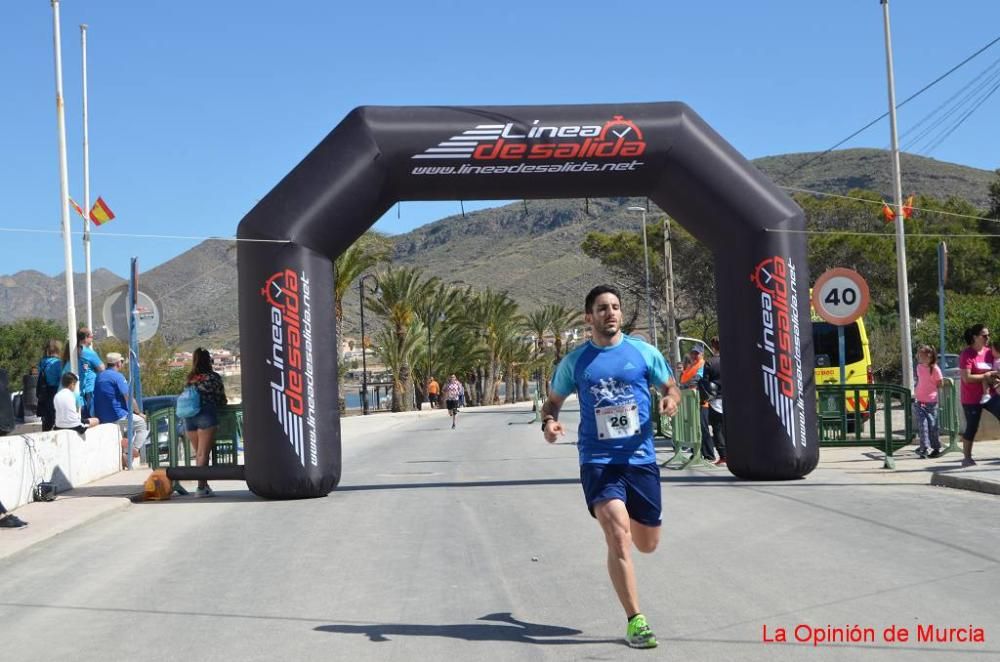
x=617 y=422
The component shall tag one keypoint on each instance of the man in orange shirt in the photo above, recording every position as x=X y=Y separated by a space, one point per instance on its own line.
x=433 y=393
x=690 y=378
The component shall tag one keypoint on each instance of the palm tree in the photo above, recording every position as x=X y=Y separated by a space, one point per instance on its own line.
x=362 y=255
x=401 y=291
x=442 y=307
x=494 y=316
x=395 y=353
x=537 y=324
x=561 y=320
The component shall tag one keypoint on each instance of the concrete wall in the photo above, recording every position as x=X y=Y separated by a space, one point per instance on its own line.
x=64 y=458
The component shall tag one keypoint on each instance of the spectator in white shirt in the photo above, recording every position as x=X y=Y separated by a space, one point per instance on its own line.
x=68 y=407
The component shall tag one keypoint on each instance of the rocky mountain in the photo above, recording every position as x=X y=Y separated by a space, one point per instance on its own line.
x=529 y=249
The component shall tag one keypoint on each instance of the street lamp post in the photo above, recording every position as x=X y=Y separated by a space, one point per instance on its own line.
x=364 y=352
x=645 y=258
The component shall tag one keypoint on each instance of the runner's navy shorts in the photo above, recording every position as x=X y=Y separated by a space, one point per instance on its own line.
x=637 y=485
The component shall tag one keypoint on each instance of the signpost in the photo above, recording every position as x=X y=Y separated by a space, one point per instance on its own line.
x=840 y=296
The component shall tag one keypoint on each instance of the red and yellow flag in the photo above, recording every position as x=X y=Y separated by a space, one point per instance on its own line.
x=890 y=214
x=100 y=213
x=77 y=208
x=908 y=208
x=887 y=212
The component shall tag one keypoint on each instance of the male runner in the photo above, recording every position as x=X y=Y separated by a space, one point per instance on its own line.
x=621 y=480
x=453 y=393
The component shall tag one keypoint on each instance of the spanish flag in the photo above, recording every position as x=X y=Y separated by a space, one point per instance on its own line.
x=77 y=208
x=100 y=213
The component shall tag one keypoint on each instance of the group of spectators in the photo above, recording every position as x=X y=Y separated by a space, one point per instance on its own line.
x=100 y=394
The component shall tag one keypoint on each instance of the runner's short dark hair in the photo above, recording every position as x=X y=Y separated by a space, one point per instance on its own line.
x=598 y=291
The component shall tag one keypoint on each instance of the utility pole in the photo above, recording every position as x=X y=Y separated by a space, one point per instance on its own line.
x=86 y=183
x=668 y=293
x=64 y=192
x=901 y=280
x=645 y=259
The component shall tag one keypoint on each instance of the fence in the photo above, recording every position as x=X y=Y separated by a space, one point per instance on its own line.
x=169 y=446
x=379 y=396
x=949 y=421
x=684 y=430
x=878 y=415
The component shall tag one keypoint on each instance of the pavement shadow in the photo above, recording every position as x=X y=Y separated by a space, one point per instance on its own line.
x=504 y=627
x=459 y=483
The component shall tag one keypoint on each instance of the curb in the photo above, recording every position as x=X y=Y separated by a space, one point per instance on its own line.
x=43 y=526
x=943 y=479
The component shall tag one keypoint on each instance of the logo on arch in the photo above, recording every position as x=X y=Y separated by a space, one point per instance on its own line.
x=616 y=138
x=290 y=359
x=779 y=343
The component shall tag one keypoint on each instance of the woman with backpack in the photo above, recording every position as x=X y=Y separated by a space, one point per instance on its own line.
x=49 y=376
x=201 y=427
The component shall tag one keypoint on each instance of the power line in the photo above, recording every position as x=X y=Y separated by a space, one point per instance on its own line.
x=883 y=234
x=122 y=235
x=914 y=140
x=899 y=105
x=880 y=203
x=961 y=121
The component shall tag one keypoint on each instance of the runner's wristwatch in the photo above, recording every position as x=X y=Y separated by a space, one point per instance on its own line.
x=546 y=420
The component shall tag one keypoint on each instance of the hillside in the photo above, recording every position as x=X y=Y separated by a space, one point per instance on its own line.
x=529 y=249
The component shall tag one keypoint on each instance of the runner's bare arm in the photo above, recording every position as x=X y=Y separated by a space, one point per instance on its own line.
x=671 y=399
x=551 y=427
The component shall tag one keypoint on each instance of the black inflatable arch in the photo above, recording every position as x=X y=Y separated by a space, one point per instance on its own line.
x=379 y=155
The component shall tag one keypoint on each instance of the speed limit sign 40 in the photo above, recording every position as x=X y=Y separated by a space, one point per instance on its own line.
x=840 y=296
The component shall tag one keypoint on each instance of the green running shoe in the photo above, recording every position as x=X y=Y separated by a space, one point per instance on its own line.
x=638 y=634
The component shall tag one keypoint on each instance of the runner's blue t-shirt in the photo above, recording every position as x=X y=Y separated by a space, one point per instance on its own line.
x=613 y=387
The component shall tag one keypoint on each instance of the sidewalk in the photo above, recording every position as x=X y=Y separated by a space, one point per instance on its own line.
x=847 y=465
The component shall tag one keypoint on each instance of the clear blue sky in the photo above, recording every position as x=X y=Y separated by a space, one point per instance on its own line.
x=198 y=108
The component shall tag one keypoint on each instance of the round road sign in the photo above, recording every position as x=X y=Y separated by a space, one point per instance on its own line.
x=840 y=296
x=116 y=314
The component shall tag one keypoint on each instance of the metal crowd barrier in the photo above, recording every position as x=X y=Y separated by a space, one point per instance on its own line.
x=949 y=420
x=685 y=431
x=169 y=446
x=869 y=421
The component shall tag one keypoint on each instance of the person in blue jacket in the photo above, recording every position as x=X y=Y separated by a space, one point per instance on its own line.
x=49 y=376
x=612 y=374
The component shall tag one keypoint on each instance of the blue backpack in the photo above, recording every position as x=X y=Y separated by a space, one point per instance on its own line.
x=188 y=402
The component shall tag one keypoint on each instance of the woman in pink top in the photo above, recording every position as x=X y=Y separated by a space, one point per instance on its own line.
x=928 y=379
x=975 y=365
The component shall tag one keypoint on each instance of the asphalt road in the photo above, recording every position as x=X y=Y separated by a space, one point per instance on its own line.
x=476 y=544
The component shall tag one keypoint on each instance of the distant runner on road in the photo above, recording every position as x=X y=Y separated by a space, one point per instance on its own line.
x=612 y=374
x=453 y=394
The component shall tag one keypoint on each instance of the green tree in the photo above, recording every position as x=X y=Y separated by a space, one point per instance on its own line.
x=369 y=250
x=440 y=307
x=494 y=317
x=537 y=324
x=561 y=320
x=693 y=272
x=994 y=197
x=400 y=292
x=395 y=351
x=21 y=345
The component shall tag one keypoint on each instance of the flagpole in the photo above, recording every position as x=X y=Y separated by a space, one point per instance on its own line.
x=901 y=280
x=86 y=182
x=64 y=192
